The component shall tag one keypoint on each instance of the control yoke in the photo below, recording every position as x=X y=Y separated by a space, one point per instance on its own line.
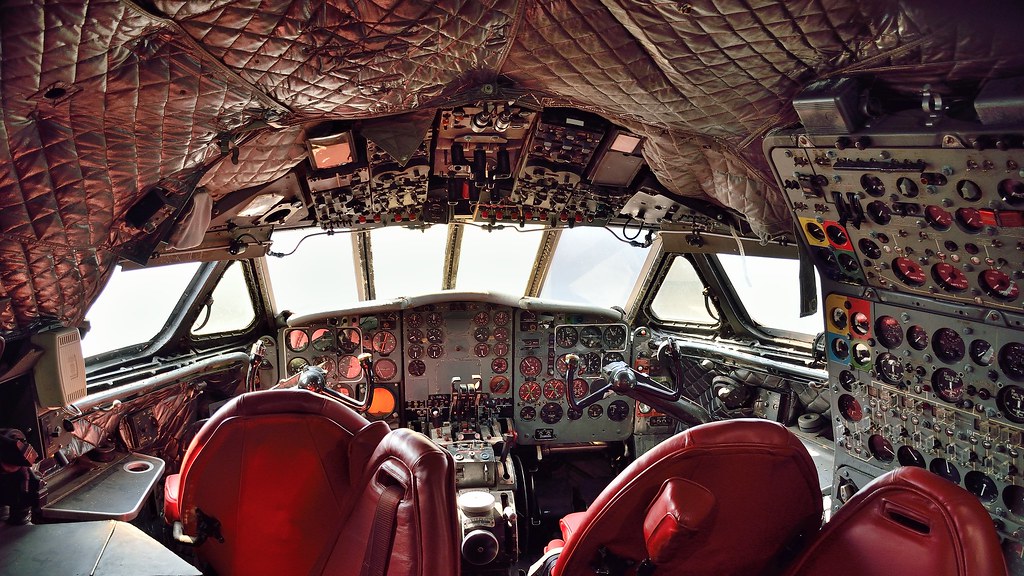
x=314 y=378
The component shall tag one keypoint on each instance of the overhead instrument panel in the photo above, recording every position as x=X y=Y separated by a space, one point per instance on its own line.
x=541 y=408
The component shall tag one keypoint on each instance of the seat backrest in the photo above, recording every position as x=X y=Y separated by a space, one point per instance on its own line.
x=907 y=521
x=725 y=498
x=277 y=470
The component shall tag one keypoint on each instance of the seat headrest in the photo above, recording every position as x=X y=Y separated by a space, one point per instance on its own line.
x=675 y=516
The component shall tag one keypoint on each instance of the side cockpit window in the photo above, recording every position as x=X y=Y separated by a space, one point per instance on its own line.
x=680 y=297
x=769 y=291
x=229 y=308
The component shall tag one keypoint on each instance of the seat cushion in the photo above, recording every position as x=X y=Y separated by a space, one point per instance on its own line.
x=172 y=485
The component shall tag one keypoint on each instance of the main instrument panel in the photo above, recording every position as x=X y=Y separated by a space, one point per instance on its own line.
x=423 y=356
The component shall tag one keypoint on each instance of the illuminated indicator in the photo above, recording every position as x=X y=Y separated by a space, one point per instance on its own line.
x=297 y=340
x=383 y=403
x=385 y=369
x=554 y=389
x=529 y=391
x=384 y=342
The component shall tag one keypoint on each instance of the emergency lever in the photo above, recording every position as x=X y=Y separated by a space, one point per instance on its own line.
x=314 y=379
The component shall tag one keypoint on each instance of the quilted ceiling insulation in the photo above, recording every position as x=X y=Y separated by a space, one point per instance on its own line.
x=105 y=99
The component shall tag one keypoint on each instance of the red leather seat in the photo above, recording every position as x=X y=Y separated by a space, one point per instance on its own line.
x=908 y=521
x=289 y=474
x=719 y=499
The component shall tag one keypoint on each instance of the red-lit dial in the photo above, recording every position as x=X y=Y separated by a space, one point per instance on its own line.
x=850 y=408
x=500 y=348
x=481 y=350
x=499 y=385
x=415 y=320
x=938 y=217
x=908 y=271
x=580 y=388
x=999 y=285
x=530 y=366
x=434 y=319
x=499 y=365
x=416 y=336
x=501 y=334
x=969 y=219
x=349 y=368
x=481 y=318
x=501 y=317
x=949 y=277
x=384 y=342
x=554 y=389
x=384 y=369
x=888 y=331
x=561 y=366
x=529 y=391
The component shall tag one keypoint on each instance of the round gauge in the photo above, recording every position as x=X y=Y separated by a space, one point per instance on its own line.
x=499 y=385
x=501 y=317
x=595 y=411
x=907 y=187
x=945 y=469
x=481 y=350
x=481 y=318
x=554 y=389
x=609 y=357
x=415 y=351
x=414 y=320
x=938 y=217
x=434 y=319
x=590 y=336
x=1010 y=402
x=839 y=318
x=500 y=348
x=590 y=363
x=869 y=248
x=841 y=348
x=873 y=185
x=970 y=220
x=860 y=324
x=416 y=336
x=908 y=456
x=881 y=448
x=949 y=277
x=861 y=353
x=908 y=271
x=981 y=486
x=888 y=331
x=815 y=231
x=1012 y=191
x=327 y=363
x=296 y=365
x=580 y=388
x=981 y=352
x=566 y=337
x=530 y=366
x=948 y=385
x=435 y=335
x=562 y=367
x=837 y=235
x=618 y=411
x=417 y=368
x=551 y=413
x=527 y=413
x=615 y=337
x=948 y=345
x=385 y=369
x=847 y=380
x=999 y=285
x=349 y=341
x=349 y=368
x=384 y=342
x=889 y=368
x=573 y=414
x=968 y=190
x=850 y=408
x=1011 y=360
x=323 y=340
x=848 y=262
x=297 y=340
x=917 y=337
x=435 y=351
x=529 y=391
x=879 y=212
x=481 y=334
x=501 y=334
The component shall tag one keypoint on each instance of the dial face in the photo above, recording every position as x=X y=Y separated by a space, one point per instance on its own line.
x=860 y=324
x=435 y=335
x=530 y=366
x=938 y=217
x=554 y=389
x=481 y=318
x=917 y=337
x=481 y=334
x=815 y=231
x=385 y=369
x=861 y=353
x=349 y=368
x=847 y=380
x=415 y=351
x=968 y=190
x=850 y=408
x=618 y=411
x=297 y=340
x=573 y=414
x=580 y=388
x=837 y=235
x=949 y=277
x=501 y=318
x=416 y=336
x=907 y=187
x=296 y=365
x=948 y=345
x=879 y=212
x=384 y=342
x=590 y=336
x=872 y=185
x=999 y=285
x=909 y=457
x=417 y=368
x=908 y=271
x=566 y=337
x=551 y=413
x=608 y=358
x=948 y=385
x=415 y=320
x=889 y=368
x=499 y=385
x=888 y=331
x=841 y=348
x=529 y=391
x=881 y=448
x=982 y=353
x=323 y=340
x=1010 y=402
x=499 y=365
x=945 y=469
x=595 y=411
x=969 y=220
x=501 y=334
x=328 y=363
x=527 y=413
x=435 y=351
x=980 y=485
x=1011 y=360
x=848 y=262
x=434 y=319
x=1012 y=191
x=481 y=350
x=615 y=337
x=349 y=341
x=500 y=349
x=869 y=248
x=839 y=317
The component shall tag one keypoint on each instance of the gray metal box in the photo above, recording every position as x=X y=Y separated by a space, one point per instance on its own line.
x=1001 y=102
x=829 y=106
